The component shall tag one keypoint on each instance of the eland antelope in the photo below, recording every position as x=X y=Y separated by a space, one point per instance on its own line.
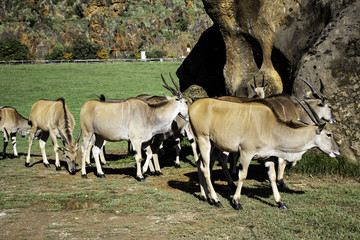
x=289 y=110
x=11 y=122
x=54 y=119
x=132 y=119
x=179 y=128
x=255 y=130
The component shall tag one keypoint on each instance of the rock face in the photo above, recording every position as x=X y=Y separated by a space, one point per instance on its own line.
x=334 y=62
x=283 y=40
x=121 y=27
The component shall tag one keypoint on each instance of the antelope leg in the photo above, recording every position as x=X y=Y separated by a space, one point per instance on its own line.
x=96 y=152
x=31 y=139
x=272 y=177
x=245 y=160
x=137 y=148
x=13 y=142
x=205 y=150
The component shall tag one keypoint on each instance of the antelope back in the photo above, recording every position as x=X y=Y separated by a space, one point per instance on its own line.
x=13 y=121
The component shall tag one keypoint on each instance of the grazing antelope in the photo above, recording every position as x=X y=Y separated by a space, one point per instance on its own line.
x=11 y=122
x=256 y=131
x=54 y=119
x=132 y=119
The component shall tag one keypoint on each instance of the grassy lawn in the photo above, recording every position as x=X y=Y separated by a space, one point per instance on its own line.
x=40 y=203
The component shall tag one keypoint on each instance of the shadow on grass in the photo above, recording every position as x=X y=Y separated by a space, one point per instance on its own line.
x=256 y=172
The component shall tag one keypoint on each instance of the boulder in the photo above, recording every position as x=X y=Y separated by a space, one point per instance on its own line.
x=332 y=66
x=283 y=41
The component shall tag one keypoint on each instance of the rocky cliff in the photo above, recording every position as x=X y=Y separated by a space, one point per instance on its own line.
x=283 y=41
x=119 y=26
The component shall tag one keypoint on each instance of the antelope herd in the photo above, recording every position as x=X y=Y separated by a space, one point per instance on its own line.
x=259 y=128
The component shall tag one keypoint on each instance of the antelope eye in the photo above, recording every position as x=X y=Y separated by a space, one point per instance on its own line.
x=329 y=134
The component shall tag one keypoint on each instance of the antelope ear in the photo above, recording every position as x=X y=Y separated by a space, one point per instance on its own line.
x=61 y=149
x=166 y=96
x=320 y=128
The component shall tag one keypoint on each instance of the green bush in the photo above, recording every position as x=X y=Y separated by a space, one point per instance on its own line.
x=12 y=49
x=83 y=49
x=58 y=52
x=156 y=53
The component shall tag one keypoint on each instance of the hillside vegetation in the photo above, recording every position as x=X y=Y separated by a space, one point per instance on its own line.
x=122 y=28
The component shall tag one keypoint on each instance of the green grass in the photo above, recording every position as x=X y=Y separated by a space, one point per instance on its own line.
x=316 y=163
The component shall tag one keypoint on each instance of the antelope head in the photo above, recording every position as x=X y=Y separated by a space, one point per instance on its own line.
x=70 y=151
x=182 y=102
x=324 y=139
x=259 y=91
x=323 y=106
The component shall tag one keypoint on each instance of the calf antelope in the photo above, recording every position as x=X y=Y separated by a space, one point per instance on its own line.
x=11 y=122
x=54 y=119
x=132 y=119
x=256 y=131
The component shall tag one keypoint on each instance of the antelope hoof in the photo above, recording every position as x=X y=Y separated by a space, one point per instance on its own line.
x=101 y=175
x=58 y=168
x=203 y=199
x=140 y=179
x=84 y=176
x=158 y=173
x=27 y=164
x=177 y=165
x=237 y=206
x=282 y=205
x=218 y=204
x=47 y=165
x=89 y=165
